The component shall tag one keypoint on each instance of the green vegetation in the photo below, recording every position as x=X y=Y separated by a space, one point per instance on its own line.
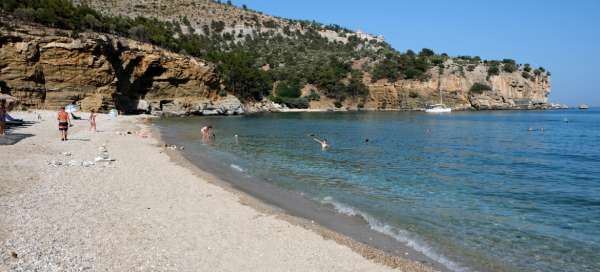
x=480 y=88
x=313 y=96
x=288 y=89
x=238 y=71
x=493 y=69
x=396 y=66
x=509 y=65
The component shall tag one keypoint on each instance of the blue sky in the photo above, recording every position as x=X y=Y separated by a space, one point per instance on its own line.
x=561 y=36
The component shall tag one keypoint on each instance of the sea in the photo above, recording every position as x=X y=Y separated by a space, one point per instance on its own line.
x=470 y=191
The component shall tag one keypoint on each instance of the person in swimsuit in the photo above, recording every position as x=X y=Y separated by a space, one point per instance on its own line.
x=63 y=123
x=204 y=131
x=93 y=120
x=2 y=116
x=324 y=144
x=207 y=134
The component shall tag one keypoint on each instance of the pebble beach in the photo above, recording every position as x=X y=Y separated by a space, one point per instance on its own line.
x=116 y=200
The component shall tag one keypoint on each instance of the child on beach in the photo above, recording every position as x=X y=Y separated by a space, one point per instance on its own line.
x=93 y=120
x=63 y=123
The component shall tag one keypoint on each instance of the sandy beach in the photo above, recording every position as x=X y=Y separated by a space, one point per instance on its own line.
x=145 y=212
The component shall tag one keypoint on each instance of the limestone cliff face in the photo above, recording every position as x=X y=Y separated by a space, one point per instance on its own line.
x=508 y=90
x=45 y=68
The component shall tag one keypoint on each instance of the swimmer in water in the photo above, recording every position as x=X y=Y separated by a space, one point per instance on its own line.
x=324 y=144
x=207 y=134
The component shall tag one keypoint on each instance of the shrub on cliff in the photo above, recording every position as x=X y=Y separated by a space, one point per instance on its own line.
x=217 y=26
x=480 y=88
x=356 y=87
x=313 y=96
x=404 y=66
x=426 y=52
x=288 y=89
x=387 y=68
x=493 y=71
x=297 y=103
x=509 y=67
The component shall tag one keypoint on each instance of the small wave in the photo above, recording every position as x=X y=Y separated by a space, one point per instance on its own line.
x=398 y=234
x=237 y=168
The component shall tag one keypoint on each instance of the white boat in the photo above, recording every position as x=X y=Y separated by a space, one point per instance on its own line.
x=438 y=108
x=584 y=107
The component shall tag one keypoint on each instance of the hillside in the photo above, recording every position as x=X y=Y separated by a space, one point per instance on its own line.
x=299 y=63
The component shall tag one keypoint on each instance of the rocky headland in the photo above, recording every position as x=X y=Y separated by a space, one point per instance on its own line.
x=500 y=92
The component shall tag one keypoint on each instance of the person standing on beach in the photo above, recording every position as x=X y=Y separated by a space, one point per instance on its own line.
x=63 y=123
x=93 y=120
x=2 y=116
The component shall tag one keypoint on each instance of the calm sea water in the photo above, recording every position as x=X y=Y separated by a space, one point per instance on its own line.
x=473 y=190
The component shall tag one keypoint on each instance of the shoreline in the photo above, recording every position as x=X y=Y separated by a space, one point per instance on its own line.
x=144 y=211
x=353 y=231
x=368 y=252
x=330 y=110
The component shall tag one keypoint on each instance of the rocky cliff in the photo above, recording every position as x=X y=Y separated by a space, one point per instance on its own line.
x=455 y=83
x=454 y=78
x=46 y=68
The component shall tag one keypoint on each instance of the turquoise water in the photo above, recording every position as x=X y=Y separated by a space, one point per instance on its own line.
x=476 y=191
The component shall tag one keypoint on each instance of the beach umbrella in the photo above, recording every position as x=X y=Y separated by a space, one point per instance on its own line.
x=11 y=102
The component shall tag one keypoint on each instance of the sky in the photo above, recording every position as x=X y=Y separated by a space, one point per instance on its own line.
x=561 y=36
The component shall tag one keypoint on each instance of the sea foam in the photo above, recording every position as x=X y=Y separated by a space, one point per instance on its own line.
x=396 y=233
x=237 y=168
